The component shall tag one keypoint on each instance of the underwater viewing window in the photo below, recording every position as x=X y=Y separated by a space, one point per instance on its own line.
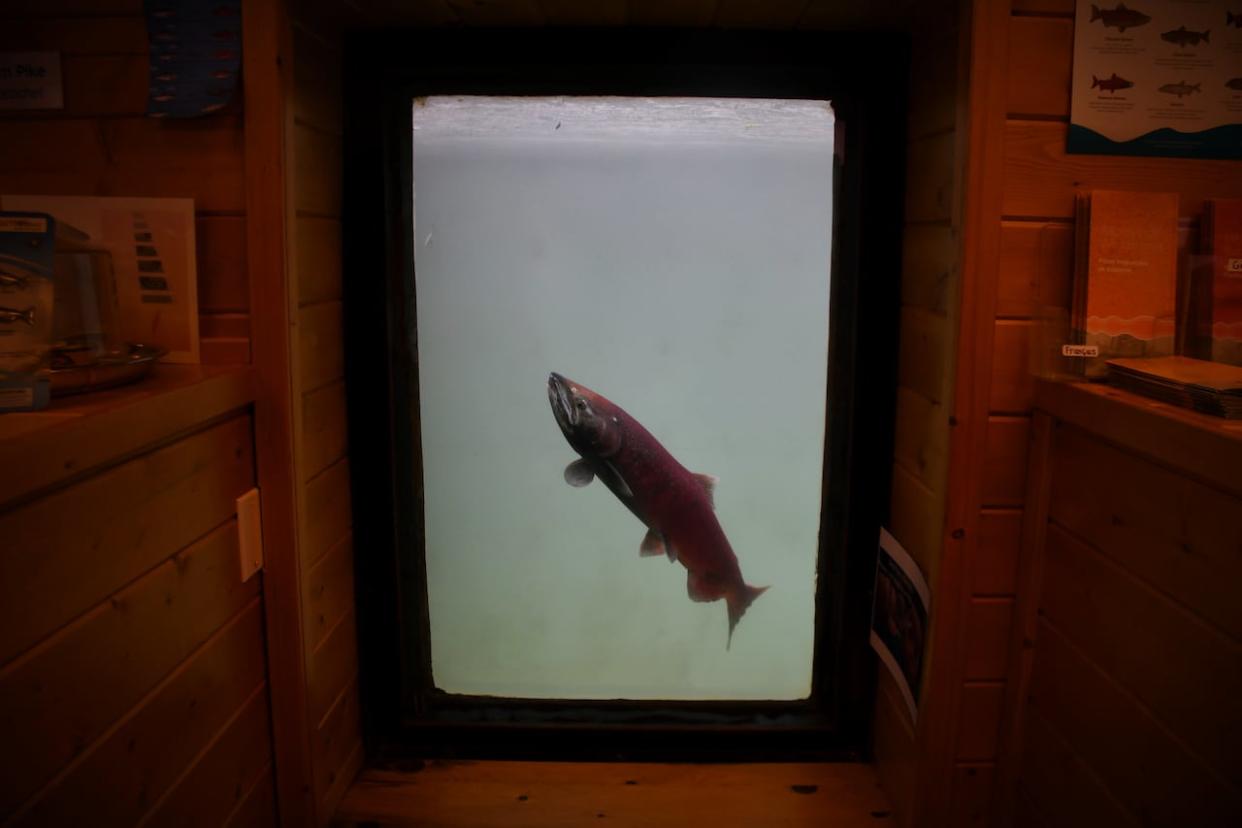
x=618 y=454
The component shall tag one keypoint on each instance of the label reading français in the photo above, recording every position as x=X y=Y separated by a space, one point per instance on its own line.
x=1080 y=350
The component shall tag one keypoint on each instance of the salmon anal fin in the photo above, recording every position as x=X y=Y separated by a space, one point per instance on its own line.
x=579 y=473
x=653 y=544
x=708 y=482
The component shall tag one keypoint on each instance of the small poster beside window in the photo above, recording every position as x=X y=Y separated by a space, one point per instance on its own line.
x=899 y=619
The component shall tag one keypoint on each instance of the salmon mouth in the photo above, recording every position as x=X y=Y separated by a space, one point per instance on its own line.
x=562 y=405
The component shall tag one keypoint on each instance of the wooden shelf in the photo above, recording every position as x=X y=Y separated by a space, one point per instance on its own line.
x=548 y=794
x=1207 y=447
x=42 y=449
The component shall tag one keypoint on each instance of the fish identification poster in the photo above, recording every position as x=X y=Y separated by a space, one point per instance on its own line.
x=1158 y=78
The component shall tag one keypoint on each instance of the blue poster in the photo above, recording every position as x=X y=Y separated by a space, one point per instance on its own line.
x=195 y=50
x=1157 y=78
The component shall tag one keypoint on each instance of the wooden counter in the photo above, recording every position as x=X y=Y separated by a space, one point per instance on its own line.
x=1127 y=650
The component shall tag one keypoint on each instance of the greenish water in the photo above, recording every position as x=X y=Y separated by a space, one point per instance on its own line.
x=681 y=269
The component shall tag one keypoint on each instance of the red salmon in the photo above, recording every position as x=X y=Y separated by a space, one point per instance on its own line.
x=673 y=503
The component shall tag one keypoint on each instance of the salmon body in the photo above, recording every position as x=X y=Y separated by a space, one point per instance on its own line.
x=673 y=503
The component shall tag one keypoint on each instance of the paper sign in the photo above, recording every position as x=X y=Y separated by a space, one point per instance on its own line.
x=30 y=80
x=899 y=618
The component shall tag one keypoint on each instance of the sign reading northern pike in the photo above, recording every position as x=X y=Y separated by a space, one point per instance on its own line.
x=673 y=503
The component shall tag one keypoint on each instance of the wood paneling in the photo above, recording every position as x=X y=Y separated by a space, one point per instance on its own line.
x=1041 y=178
x=987 y=629
x=328 y=514
x=258 y=808
x=1121 y=741
x=323 y=429
x=95 y=35
x=123 y=775
x=980 y=722
x=930 y=184
x=916 y=519
x=1039 y=66
x=336 y=739
x=317 y=251
x=317 y=81
x=1037 y=261
x=921 y=362
x=1012 y=382
x=993 y=570
x=928 y=266
x=972 y=795
x=696 y=13
x=1185 y=673
x=934 y=66
x=219 y=781
x=63 y=695
x=130 y=518
x=1063 y=8
x=317 y=171
x=563 y=794
x=1174 y=533
x=1004 y=464
x=1062 y=783
x=921 y=438
x=331 y=666
x=221 y=249
x=742 y=14
x=321 y=351
x=71 y=8
x=573 y=13
x=894 y=744
x=329 y=592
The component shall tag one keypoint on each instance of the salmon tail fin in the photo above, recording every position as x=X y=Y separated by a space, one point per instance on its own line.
x=739 y=602
x=1094 y=81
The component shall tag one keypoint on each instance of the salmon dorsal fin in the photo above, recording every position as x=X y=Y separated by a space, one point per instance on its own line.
x=579 y=473
x=708 y=482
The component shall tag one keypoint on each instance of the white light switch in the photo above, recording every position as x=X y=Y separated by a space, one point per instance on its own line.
x=249 y=533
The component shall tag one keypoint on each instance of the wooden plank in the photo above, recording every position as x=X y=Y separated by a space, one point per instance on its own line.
x=82 y=433
x=773 y=14
x=1037 y=264
x=215 y=325
x=317 y=171
x=258 y=808
x=988 y=624
x=318 y=256
x=119 y=778
x=267 y=75
x=1120 y=741
x=336 y=741
x=934 y=81
x=574 y=13
x=323 y=429
x=93 y=85
x=198 y=158
x=71 y=8
x=929 y=266
x=233 y=350
x=1062 y=784
x=329 y=593
x=1184 y=672
x=221 y=254
x=1040 y=60
x=61 y=697
x=1004 y=465
x=994 y=567
x=316 y=82
x=1064 y=8
x=921 y=438
x=321 y=351
x=1041 y=179
x=916 y=519
x=115 y=35
x=972 y=795
x=330 y=668
x=659 y=13
x=1199 y=445
x=1176 y=534
x=499 y=13
x=980 y=722
x=1013 y=383
x=219 y=781
x=328 y=512
x=893 y=743
x=930 y=182
x=556 y=794
x=130 y=518
x=923 y=352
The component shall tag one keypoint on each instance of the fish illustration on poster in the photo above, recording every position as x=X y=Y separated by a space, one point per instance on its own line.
x=1157 y=78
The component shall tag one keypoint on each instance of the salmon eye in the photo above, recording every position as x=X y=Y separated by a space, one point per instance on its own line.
x=581 y=404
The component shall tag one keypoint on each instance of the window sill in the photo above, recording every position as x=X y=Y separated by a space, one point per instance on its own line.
x=549 y=794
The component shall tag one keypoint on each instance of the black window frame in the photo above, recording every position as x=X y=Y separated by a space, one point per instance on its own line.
x=864 y=76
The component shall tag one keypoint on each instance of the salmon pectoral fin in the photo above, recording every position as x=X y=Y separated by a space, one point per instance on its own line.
x=708 y=482
x=739 y=601
x=579 y=473
x=652 y=545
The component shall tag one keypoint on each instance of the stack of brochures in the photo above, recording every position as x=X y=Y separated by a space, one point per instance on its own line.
x=1211 y=387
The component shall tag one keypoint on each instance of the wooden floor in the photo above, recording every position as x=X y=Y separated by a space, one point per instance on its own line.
x=552 y=794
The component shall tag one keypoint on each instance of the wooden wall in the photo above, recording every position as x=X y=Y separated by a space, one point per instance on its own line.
x=1017 y=249
x=101 y=143
x=132 y=667
x=324 y=516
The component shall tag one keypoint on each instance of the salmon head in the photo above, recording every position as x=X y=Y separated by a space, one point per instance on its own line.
x=590 y=422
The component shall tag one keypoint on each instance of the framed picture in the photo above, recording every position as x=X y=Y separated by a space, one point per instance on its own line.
x=151 y=242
